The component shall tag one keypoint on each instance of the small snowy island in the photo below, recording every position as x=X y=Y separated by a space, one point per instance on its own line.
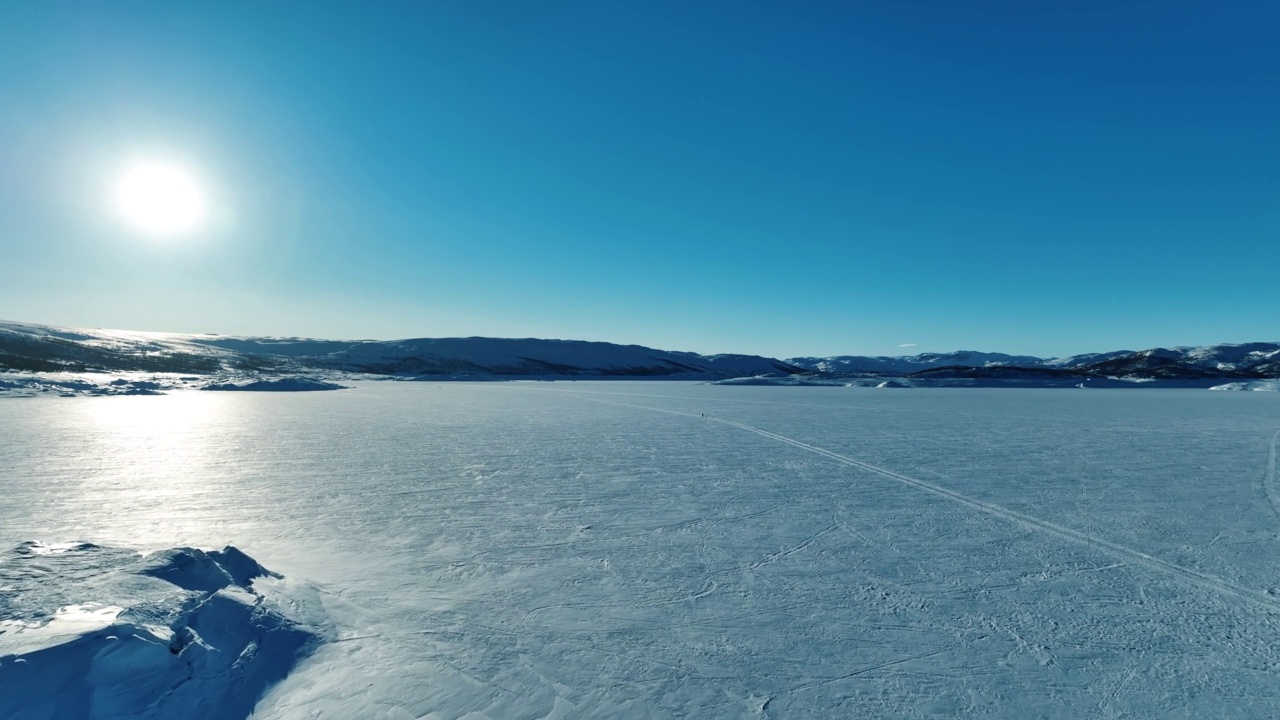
x=288 y=384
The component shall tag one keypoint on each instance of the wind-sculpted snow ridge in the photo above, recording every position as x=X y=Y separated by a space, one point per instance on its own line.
x=98 y=632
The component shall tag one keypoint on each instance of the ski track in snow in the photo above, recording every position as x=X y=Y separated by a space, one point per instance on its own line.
x=1195 y=577
x=1269 y=491
x=706 y=399
x=818 y=682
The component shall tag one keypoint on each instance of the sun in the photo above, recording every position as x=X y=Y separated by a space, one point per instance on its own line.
x=160 y=199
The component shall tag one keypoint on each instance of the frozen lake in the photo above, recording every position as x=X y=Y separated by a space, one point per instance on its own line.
x=530 y=550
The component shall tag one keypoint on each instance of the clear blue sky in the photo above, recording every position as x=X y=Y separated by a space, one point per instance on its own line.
x=778 y=178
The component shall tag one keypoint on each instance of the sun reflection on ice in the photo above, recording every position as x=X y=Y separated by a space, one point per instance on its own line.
x=154 y=417
x=153 y=458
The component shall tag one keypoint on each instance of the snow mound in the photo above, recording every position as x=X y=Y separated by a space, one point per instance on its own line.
x=774 y=379
x=290 y=384
x=17 y=384
x=96 y=632
x=1256 y=385
x=192 y=569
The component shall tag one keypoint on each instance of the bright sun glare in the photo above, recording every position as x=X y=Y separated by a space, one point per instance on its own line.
x=160 y=199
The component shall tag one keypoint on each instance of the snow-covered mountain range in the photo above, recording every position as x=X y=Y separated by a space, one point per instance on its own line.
x=1249 y=360
x=911 y=363
x=40 y=348
x=34 y=348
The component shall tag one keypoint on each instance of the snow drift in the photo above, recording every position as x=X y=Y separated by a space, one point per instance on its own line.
x=1255 y=386
x=95 y=632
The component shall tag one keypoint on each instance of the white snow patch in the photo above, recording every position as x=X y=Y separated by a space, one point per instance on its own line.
x=1254 y=385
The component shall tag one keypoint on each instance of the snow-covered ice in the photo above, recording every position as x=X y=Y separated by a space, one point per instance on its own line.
x=664 y=549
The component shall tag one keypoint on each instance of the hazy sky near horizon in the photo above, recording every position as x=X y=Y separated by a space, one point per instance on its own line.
x=778 y=178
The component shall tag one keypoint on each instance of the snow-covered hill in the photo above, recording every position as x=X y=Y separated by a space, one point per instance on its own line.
x=48 y=349
x=59 y=358
x=1249 y=358
x=1075 y=361
x=912 y=363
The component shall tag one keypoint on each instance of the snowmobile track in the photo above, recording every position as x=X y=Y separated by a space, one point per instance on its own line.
x=1195 y=577
x=1269 y=491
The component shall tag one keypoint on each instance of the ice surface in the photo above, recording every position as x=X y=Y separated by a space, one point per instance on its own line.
x=1014 y=379
x=665 y=549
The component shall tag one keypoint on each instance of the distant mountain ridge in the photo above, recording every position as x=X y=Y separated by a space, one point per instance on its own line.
x=40 y=348
x=1244 y=361
x=911 y=363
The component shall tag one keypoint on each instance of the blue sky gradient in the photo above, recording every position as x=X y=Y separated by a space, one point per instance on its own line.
x=777 y=178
